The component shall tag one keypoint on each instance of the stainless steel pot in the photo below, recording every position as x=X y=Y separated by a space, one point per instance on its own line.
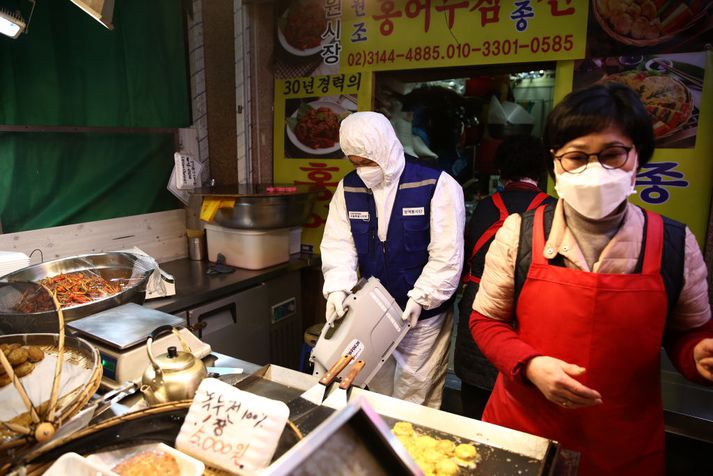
x=259 y=209
x=111 y=266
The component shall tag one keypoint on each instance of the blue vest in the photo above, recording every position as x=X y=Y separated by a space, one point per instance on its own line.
x=399 y=260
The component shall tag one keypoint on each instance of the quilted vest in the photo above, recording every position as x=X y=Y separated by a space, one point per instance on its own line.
x=399 y=260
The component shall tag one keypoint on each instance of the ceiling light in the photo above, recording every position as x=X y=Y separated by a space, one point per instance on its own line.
x=101 y=10
x=11 y=24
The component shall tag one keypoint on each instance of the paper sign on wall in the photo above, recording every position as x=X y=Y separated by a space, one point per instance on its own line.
x=188 y=171
x=231 y=429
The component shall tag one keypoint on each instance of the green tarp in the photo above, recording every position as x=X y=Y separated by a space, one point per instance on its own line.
x=71 y=71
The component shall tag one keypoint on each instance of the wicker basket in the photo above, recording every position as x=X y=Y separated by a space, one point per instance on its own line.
x=40 y=422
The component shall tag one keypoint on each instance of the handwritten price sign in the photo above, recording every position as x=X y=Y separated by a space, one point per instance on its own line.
x=231 y=429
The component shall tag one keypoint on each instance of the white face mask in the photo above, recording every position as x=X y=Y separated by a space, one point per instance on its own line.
x=371 y=176
x=596 y=192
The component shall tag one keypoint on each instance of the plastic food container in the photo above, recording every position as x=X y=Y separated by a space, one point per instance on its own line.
x=187 y=465
x=251 y=249
x=295 y=239
x=76 y=465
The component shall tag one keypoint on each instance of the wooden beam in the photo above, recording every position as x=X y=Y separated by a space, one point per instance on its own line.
x=218 y=36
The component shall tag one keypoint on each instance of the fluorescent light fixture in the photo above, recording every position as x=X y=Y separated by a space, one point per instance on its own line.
x=101 y=10
x=10 y=24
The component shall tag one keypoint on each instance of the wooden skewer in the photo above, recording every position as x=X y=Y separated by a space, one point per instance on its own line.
x=52 y=407
x=20 y=389
x=22 y=430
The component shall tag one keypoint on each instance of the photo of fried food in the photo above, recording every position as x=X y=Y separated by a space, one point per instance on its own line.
x=4 y=380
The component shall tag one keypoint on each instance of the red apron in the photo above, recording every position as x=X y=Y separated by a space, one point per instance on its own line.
x=612 y=325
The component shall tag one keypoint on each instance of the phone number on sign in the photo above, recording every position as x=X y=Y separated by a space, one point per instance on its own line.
x=537 y=44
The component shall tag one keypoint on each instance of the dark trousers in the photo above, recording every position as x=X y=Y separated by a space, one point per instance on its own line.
x=473 y=400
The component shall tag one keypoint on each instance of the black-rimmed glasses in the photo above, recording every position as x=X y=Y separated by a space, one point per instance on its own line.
x=612 y=157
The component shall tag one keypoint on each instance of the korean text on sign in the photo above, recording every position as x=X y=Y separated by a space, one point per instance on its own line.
x=231 y=429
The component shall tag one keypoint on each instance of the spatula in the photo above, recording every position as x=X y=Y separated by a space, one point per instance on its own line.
x=313 y=396
x=338 y=398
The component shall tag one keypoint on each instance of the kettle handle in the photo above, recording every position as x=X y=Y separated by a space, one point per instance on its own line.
x=159 y=331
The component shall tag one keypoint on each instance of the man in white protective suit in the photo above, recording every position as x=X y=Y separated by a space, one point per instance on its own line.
x=403 y=223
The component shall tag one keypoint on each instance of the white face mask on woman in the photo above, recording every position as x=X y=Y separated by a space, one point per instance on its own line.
x=596 y=192
x=371 y=176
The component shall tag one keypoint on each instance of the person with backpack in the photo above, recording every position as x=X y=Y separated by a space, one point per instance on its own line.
x=522 y=162
x=576 y=300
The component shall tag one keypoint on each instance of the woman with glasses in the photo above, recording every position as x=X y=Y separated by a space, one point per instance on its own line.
x=576 y=300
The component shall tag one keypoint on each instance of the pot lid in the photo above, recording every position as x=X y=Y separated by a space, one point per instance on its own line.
x=175 y=360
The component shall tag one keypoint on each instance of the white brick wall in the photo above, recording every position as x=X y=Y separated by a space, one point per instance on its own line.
x=198 y=94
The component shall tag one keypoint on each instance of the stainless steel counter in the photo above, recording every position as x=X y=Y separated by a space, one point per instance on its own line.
x=194 y=286
x=688 y=407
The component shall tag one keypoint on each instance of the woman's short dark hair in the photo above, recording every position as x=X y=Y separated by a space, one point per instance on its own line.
x=596 y=108
x=521 y=156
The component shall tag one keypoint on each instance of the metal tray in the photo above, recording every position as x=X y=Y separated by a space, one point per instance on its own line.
x=110 y=265
x=124 y=326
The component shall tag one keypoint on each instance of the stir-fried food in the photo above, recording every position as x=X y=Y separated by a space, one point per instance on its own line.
x=72 y=289
x=79 y=288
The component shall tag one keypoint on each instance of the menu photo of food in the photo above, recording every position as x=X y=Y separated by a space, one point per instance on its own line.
x=302 y=30
x=312 y=126
x=621 y=26
x=669 y=86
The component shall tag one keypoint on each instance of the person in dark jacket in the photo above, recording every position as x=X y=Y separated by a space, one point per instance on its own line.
x=522 y=161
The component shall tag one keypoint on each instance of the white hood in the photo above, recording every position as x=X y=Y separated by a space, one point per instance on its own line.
x=371 y=135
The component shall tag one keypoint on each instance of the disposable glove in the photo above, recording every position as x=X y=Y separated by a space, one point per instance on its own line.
x=335 y=306
x=411 y=312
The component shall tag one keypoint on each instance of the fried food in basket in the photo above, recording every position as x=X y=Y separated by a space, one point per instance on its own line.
x=35 y=354
x=21 y=358
x=6 y=348
x=17 y=356
x=149 y=463
x=24 y=369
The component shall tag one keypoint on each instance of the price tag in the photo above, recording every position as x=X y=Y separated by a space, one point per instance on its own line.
x=231 y=429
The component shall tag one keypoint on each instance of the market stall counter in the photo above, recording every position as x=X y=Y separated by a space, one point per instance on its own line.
x=404 y=428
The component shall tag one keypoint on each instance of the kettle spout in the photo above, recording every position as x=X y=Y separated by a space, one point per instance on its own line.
x=149 y=395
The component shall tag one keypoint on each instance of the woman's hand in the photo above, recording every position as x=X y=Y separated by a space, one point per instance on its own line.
x=703 y=356
x=554 y=378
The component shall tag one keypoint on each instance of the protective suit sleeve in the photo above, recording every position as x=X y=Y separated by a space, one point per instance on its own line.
x=440 y=277
x=339 y=256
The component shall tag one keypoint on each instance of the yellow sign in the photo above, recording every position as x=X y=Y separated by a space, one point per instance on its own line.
x=307 y=111
x=408 y=34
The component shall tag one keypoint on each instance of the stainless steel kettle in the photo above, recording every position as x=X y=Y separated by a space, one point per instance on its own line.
x=172 y=376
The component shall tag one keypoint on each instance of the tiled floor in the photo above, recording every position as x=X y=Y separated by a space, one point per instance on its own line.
x=684 y=456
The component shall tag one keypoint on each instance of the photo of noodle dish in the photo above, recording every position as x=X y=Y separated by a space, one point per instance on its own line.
x=314 y=127
x=300 y=28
